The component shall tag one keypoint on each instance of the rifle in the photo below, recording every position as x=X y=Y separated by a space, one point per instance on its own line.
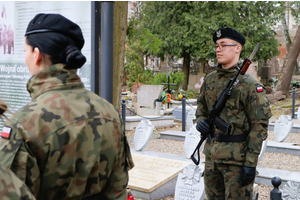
x=213 y=117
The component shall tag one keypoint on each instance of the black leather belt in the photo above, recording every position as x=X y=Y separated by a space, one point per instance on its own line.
x=229 y=138
x=94 y=197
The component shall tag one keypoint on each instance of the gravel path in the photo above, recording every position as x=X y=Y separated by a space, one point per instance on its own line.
x=269 y=160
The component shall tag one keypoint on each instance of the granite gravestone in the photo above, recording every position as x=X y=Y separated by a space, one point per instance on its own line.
x=190 y=117
x=142 y=134
x=291 y=190
x=282 y=128
x=191 y=140
x=190 y=184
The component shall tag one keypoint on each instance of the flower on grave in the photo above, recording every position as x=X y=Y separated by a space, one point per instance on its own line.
x=291 y=190
x=180 y=96
x=169 y=100
x=191 y=174
x=168 y=95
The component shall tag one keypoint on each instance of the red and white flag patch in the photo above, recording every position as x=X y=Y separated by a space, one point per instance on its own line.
x=5 y=132
x=259 y=89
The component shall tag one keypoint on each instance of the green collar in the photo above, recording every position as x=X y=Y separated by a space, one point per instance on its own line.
x=53 y=77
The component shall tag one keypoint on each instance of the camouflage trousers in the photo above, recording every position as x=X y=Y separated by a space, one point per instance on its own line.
x=222 y=182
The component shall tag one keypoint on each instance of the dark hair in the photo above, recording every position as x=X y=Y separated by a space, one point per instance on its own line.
x=59 y=47
x=3 y=109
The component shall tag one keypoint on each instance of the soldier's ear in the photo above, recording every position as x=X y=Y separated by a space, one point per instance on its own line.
x=238 y=49
x=37 y=56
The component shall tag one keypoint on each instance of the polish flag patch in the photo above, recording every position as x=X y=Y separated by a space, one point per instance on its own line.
x=5 y=132
x=259 y=89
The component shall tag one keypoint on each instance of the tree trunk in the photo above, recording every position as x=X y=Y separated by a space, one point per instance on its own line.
x=286 y=73
x=286 y=35
x=288 y=41
x=120 y=29
x=186 y=71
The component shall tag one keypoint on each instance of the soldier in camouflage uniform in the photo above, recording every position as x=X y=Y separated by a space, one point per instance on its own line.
x=67 y=143
x=231 y=158
x=11 y=187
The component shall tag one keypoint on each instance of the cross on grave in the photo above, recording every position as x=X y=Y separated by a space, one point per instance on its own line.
x=168 y=84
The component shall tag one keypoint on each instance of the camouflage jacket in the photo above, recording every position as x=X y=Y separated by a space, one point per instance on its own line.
x=247 y=111
x=12 y=187
x=67 y=143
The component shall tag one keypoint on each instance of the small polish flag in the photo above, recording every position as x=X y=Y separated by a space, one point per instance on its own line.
x=5 y=132
x=260 y=89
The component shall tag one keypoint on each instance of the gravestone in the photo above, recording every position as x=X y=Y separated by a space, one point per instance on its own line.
x=154 y=177
x=189 y=119
x=142 y=134
x=146 y=94
x=291 y=191
x=298 y=115
x=190 y=184
x=282 y=128
x=191 y=140
x=262 y=150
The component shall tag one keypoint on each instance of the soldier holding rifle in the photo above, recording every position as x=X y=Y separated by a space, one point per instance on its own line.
x=234 y=121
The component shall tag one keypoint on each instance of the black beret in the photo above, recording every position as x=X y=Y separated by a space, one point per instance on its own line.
x=230 y=34
x=42 y=23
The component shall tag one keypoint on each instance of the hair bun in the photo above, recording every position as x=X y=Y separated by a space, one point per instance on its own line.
x=75 y=59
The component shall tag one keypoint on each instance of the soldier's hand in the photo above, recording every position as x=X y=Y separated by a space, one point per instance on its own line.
x=247 y=175
x=203 y=127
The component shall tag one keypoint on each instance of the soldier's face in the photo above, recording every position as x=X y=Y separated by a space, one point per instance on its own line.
x=227 y=55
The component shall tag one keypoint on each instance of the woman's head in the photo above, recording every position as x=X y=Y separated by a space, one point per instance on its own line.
x=3 y=108
x=51 y=39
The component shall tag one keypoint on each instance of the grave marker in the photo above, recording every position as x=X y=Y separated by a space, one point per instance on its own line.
x=298 y=115
x=189 y=119
x=151 y=173
x=262 y=151
x=146 y=94
x=190 y=184
x=282 y=128
x=191 y=140
x=291 y=190
x=142 y=134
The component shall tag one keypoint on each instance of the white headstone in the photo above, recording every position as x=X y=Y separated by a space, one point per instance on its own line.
x=291 y=190
x=189 y=119
x=298 y=115
x=192 y=139
x=142 y=134
x=282 y=128
x=146 y=95
x=190 y=184
x=262 y=150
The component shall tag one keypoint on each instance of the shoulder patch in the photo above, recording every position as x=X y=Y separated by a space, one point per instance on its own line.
x=5 y=132
x=259 y=89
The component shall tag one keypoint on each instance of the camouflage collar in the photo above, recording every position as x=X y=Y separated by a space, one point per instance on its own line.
x=52 y=78
x=230 y=71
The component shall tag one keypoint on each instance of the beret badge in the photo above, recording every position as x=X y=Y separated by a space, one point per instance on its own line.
x=219 y=33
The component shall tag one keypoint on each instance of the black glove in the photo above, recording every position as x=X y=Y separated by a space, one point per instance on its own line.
x=203 y=127
x=247 y=175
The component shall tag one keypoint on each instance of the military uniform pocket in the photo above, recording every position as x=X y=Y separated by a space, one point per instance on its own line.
x=19 y=165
